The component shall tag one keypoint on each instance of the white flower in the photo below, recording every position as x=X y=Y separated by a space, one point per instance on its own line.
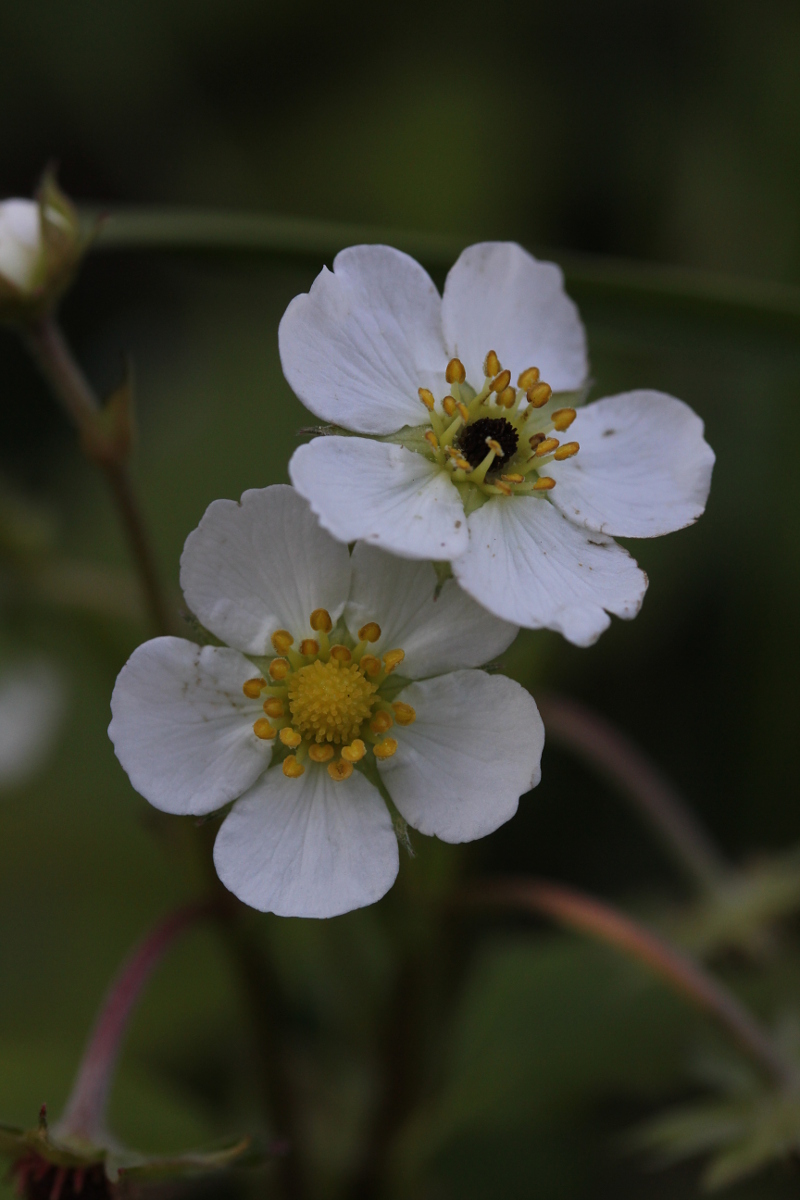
x=292 y=717
x=462 y=465
x=31 y=710
x=21 y=243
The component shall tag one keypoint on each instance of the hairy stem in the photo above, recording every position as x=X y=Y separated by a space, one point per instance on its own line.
x=677 y=970
x=623 y=764
x=73 y=391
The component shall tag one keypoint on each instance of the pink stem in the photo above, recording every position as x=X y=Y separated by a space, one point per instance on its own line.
x=84 y=1116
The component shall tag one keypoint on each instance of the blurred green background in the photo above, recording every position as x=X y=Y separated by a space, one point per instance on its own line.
x=666 y=132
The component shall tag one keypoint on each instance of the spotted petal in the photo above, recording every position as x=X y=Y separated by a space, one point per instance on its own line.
x=473 y=750
x=383 y=494
x=498 y=297
x=356 y=348
x=308 y=847
x=260 y=565
x=527 y=563
x=182 y=727
x=438 y=634
x=644 y=467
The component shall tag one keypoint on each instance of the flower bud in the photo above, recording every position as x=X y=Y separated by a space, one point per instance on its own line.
x=41 y=245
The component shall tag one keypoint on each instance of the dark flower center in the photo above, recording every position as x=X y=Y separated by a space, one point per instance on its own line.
x=472 y=440
x=38 y=1179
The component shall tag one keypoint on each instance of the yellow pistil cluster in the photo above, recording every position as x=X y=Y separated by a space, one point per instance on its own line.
x=324 y=700
x=500 y=439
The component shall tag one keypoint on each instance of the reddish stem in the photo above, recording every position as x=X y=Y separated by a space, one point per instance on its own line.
x=84 y=1116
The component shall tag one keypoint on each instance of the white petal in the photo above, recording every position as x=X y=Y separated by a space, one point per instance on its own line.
x=31 y=711
x=644 y=467
x=20 y=241
x=182 y=727
x=498 y=297
x=473 y=750
x=260 y=565
x=356 y=348
x=528 y=563
x=308 y=847
x=437 y=634
x=382 y=493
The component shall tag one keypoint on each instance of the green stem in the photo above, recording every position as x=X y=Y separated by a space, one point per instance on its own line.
x=677 y=970
x=73 y=391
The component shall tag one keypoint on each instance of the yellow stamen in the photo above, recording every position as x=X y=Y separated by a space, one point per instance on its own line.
x=449 y=406
x=563 y=418
x=274 y=707
x=546 y=447
x=290 y=737
x=495 y=447
x=341 y=654
x=491 y=365
x=455 y=372
x=528 y=379
x=539 y=395
x=381 y=722
x=292 y=769
x=404 y=714
x=320 y=621
x=392 y=659
x=463 y=411
x=282 y=640
x=501 y=382
x=309 y=647
x=370 y=665
x=321 y=754
x=278 y=669
x=432 y=440
x=427 y=398
x=504 y=488
x=544 y=484
x=354 y=752
x=461 y=463
x=507 y=398
x=253 y=688
x=340 y=770
x=566 y=451
x=262 y=729
x=369 y=632
x=385 y=749
x=515 y=478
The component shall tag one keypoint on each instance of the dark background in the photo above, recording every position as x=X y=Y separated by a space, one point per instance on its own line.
x=664 y=132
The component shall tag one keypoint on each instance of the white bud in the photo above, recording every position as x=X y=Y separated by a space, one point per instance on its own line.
x=21 y=243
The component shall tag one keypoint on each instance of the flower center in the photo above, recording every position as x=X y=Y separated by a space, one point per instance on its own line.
x=330 y=701
x=498 y=440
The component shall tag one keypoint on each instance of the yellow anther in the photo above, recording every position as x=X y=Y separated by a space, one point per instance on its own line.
x=385 y=749
x=404 y=714
x=504 y=488
x=539 y=395
x=449 y=406
x=515 y=478
x=309 y=647
x=281 y=640
x=501 y=382
x=321 y=754
x=292 y=768
x=451 y=452
x=536 y=440
x=432 y=440
x=463 y=411
x=381 y=722
x=341 y=654
x=544 y=484
x=279 y=669
x=369 y=632
x=455 y=372
x=320 y=621
x=427 y=398
x=340 y=770
x=491 y=365
x=546 y=447
x=290 y=737
x=495 y=446
x=354 y=752
x=528 y=379
x=253 y=688
x=507 y=398
x=392 y=659
x=262 y=729
x=461 y=463
x=369 y=664
x=274 y=707
x=563 y=418
x=566 y=451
